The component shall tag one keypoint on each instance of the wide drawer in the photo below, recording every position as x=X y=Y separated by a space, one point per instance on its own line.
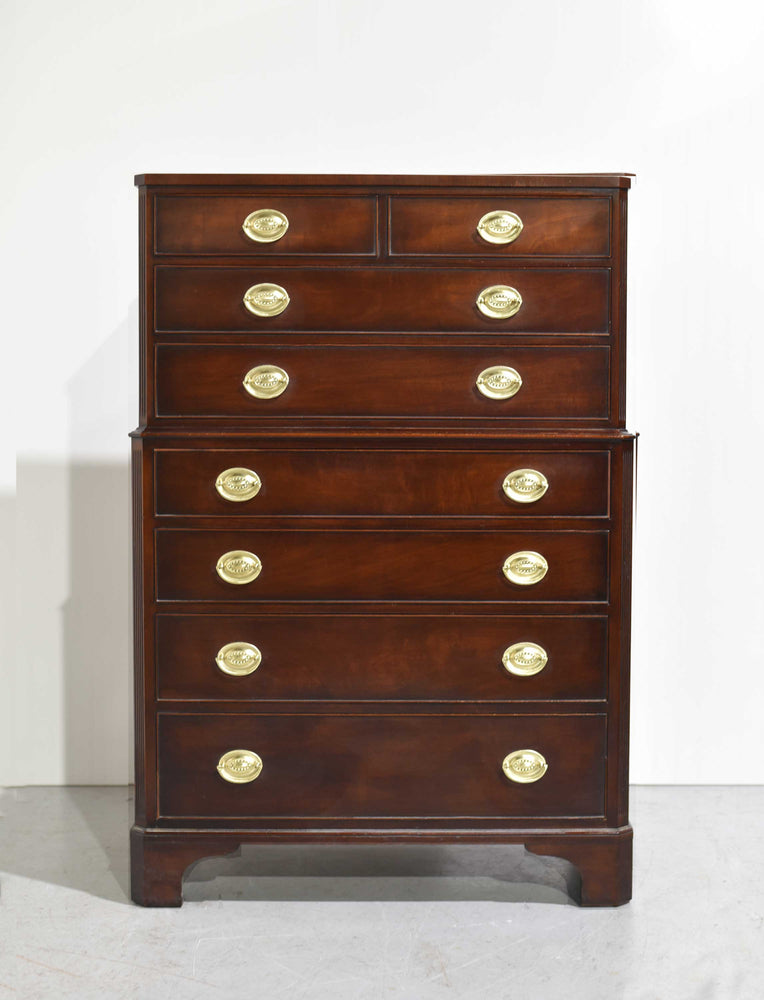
x=391 y=483
x=314 y=225
x=380 y=657
x=393 y=565
x=207 y=381
x=386 y=766
x=554 y=300
x=564 y=226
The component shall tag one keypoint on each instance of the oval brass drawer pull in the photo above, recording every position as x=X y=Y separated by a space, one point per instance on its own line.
x=525 y=485
x=238 y=484
x=499 y=382
x=525 y=568
x=266 y=299
x=238 y=566
x=524 y=659
x=266 y=225
x=524 y=766
x=238 y=658
x=501 y=226
x=240 y=766
x=499 y=301
x=266 y=381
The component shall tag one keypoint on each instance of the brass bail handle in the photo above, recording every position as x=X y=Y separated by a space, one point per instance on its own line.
x=499 y=382
x=500 y=226
x=237 y=659
x=238 y=567
x=525 y=568
x=524 y=766
x=265 y=225
x=239 y=766
x=238 y=484
x=499 y=301
x=525 y=485
x=266 y=299
x=266 y=381
x=524 y=659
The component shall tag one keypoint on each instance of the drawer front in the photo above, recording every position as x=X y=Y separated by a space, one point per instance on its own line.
x=314 y=225
x=392 y=565
x=554 y=300
x=563 y=227
x=389 y=483
x=380 y=657
x=384 y=766
x=565 y=382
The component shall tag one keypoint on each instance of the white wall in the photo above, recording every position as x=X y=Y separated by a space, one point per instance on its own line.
x=97 y=91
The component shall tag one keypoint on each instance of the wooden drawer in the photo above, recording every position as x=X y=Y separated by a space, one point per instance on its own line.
x=382 y=299
x=390 y=483
x=380 y=657
x=206 y=381
x=393 y=565
x=380 y=766
x=316 y=225
x=563 y=226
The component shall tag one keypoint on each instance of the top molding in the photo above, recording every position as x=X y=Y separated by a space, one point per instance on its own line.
x=389 y=180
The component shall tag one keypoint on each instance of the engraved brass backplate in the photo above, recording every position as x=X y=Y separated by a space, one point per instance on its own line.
x=501 y=226
x=238 y=566
x=499 y=382
x=525 y=568
x=266 y=299
x=238 y=484
x=525 y=485
x=238 y=658
x=499 y=301
x=524 y=659
x=266 y=225
x=524 y=766
x=240 y=766
x=266 y=381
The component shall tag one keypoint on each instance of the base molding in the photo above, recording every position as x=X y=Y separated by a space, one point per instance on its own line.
x=603 y=857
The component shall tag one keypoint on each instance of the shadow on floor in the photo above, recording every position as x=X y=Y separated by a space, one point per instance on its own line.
x=381 y=872
x=69 y=836
x=78 y=837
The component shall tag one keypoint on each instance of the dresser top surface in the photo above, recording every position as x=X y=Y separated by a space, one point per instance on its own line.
x=614 y=180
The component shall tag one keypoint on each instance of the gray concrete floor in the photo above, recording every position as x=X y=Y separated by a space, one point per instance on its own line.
x=412 y=924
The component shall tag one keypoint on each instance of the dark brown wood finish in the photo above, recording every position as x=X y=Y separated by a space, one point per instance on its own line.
x=395 y=565
x=210 y=299
x=295 y=182
x=566 y=383
x=391 y=483
x=381 y=708
x=330 y=657
x=317 y=225
x=552 y=227
x=602 y=858
x=363 y=766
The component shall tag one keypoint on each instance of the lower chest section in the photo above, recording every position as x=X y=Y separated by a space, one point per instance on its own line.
x=378 y=636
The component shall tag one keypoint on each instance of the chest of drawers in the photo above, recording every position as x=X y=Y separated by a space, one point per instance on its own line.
x=382 y=495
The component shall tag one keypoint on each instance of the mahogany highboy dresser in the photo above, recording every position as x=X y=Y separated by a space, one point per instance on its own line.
x=382 y=499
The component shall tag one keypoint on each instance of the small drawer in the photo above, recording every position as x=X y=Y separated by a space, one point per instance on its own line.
x=351 y=658
x=382 y=300
x=510 y=226
x=393 y=767
x=344 y=483
x=265 y=225
x=260 y=383
x=395 y=565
